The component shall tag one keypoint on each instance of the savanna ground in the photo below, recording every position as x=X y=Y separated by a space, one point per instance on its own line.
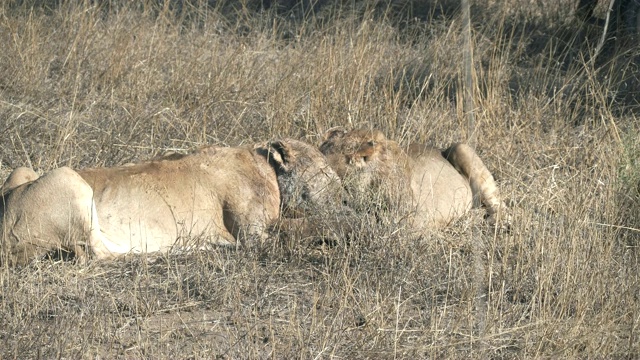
x=105 y=83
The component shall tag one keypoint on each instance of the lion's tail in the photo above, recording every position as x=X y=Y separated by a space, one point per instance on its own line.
x=483 y=185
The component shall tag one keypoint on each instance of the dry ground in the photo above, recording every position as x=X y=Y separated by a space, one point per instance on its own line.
x=91 y=85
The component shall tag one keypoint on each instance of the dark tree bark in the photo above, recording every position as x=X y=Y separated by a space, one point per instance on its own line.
x=624 y=19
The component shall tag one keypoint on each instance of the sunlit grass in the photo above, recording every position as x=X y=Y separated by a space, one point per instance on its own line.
x=90 y=85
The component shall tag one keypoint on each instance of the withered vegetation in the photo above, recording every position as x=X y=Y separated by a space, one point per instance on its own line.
x=94 y=83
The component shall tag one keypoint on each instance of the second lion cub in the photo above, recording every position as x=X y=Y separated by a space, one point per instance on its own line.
x=438 y=185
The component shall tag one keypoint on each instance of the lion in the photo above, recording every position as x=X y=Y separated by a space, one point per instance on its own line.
x=221 y=195
x=438 y=186
x=18 y=177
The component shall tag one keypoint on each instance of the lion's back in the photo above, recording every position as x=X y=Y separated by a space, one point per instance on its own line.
x=441 y=193
x=153 y=203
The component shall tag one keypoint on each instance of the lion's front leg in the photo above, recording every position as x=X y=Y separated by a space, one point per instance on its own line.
x=333 y=227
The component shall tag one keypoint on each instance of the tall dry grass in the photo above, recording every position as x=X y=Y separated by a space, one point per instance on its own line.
x=92 y=84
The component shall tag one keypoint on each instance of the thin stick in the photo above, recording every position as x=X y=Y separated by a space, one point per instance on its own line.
x=469 y=110
x=468 y=107
x=604 y=32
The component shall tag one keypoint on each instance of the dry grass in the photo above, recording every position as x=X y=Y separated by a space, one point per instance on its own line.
x=85 y=85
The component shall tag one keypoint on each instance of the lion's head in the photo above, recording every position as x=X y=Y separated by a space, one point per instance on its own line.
x=306 y=181
x=371 y=167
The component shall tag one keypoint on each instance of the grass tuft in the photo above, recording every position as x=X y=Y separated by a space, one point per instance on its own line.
x=106 y=83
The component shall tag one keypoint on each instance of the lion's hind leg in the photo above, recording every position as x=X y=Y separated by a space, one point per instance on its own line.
x=47 y=215
x=482 y=183
x=19 y=176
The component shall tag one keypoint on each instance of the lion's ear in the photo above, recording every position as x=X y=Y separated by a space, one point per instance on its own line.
x=280 y=155
x=334 y=133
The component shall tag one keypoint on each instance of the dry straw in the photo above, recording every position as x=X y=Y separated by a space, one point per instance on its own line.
x=105 y=83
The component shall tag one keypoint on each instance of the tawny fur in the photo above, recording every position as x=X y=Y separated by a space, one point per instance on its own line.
x=436 y=187
x=219 y=195
x=18 y=177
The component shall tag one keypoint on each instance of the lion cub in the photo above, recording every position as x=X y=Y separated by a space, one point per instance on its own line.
x=436 y=186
